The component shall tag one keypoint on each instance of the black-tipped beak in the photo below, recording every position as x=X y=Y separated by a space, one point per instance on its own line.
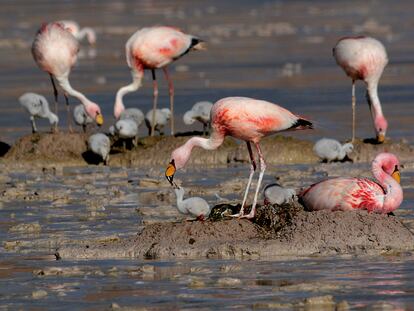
x=169 y=172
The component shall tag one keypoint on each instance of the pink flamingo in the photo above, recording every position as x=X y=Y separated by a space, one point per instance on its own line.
x=246 y=119
x=55 y=51
x=364 y=58
x=152 y=48
x=343 y=193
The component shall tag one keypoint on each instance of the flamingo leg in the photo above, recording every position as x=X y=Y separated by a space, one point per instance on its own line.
x=171 y=92
x=259 y=182
x=252 y=170
x=353 y=110
x=68 y=112
x=154 y=103
x=34 y=129
x=55 y=93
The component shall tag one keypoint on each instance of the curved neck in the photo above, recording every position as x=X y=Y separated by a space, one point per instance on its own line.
x=393 y=191
x=135 y=85
x=65 y=85
x=180 y=196
x=89 y=33
x=373 y=100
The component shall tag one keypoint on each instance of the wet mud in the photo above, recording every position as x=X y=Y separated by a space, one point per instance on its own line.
x=276 y=231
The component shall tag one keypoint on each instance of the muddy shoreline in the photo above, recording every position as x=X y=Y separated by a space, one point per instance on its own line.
x=71 y=149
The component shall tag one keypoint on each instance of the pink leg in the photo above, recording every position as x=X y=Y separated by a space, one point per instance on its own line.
x=252 y=170
x=171 y=91
x=259 y=182
x=69 y=115
x=155 y=99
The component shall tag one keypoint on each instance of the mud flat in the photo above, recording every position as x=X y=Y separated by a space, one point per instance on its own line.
x=276 y=232
x=71 y=149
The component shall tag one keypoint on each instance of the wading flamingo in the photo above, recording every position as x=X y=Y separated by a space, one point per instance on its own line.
x=364 y=58
x=246 y=119
x=342 y=193
x=55 y=51
x=153 y=48
x=79 y=33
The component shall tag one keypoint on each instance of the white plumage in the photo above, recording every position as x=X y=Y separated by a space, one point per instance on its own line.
x=199 y=112
x=126 y=128
x=79 y=33
x=134 y=114
x=161 y=118
x=38 y=107
x=331 y=150
x=276 y=194
x=81 y=117
x=195 y=206
x=101 y=145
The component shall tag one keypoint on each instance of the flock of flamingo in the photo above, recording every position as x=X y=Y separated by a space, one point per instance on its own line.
x=55 y=49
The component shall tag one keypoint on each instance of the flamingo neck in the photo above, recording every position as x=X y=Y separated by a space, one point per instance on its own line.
x=180 y=197
x=65 y=85
x=135 y=85
x=181 y=155
x=393 y=191
x=89 y=33
x=373 y=99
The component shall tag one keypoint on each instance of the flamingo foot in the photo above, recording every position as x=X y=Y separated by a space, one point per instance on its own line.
x=248 y=216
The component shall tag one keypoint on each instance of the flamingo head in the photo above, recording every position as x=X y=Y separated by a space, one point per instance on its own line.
x=94 y=112
x=381 y=126
x=179 y=158
x=389 y=164
x=188 y=118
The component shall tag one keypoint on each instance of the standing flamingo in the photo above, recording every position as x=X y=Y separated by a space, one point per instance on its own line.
x=55 y=51
x=152 y=48
x=343 y=193
x=246 y=119
x=364 y=58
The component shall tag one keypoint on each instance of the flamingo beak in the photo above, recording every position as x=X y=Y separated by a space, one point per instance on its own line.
x=396 y=175
x=169 y=173
x=99 y=119
x=380 y=138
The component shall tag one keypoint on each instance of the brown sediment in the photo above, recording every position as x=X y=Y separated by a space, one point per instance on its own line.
x=277 y=232
x=67 y=149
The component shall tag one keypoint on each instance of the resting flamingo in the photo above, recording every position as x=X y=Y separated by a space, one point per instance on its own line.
x=246 y=119
x=55 y=51
x=364 y=58
x=153 y=48
x=80 y=33
x=345 y=193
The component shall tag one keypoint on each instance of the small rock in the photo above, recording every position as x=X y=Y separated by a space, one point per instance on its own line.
x=228 y=282
x=38 y=294
x=26 y=228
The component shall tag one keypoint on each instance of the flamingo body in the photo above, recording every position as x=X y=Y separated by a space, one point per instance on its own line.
x=364 y=58
x=344 y=193
x=246 y=119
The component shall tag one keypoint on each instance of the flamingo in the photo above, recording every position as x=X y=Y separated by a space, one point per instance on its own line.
x=199 y=112
x=153 y=48
x=344 y=193
x=100 y=144
x=364 y=58
x=79 y=33
x=55 y=51
x=161 y=119
x=246 y=119
x=330 y=150
x=195 y=206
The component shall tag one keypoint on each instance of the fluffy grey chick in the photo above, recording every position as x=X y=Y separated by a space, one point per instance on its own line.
x=199 y=112
x=127 y=130
x=195 y=206
x=38 y=107
x=329 y=150
x=276 y=194
x=161 y=119
x=134 y=114
x=101 y=145
x=81 y=117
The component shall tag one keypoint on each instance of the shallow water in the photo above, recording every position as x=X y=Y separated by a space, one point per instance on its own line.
x=274 y=50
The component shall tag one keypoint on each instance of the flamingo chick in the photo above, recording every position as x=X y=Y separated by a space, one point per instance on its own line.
x=134 y=114
x=345 y=193
x=55 y=51
x=199 y=112
x=81 y=117
x=126 y=129
x=276 y=194
x=78 y=33
x=38 y=107
x=331 y=150
x=153 y=48
x=101 y=145
x=246 y=119
x=195 y=206
x=161 y=119
x=364 y=58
